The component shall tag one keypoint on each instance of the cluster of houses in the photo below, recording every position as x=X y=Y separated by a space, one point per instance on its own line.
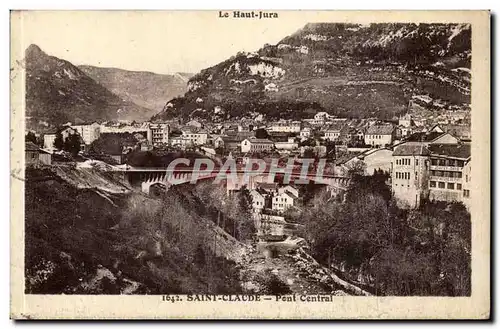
x=269 y=203
x=422 y=161
x=431 y=165
x=257 y=136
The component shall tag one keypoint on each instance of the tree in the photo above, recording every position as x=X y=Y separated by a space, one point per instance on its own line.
x=59 y=141
x=330 y=149
x=31 y=137
x=245 y=223
x=73 y=144
x=261 y=133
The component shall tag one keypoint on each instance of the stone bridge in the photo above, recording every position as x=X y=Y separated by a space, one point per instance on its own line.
x=151 y=176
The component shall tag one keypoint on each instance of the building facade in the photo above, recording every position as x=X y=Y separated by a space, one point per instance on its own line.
x=379 y=135
x=89 y=132
x=256 y=145
x=158 y=134
x=285 y=126
x=438 y=172
x=36 y=156
x=449 y=170
x=410 y=168
x=282 y=201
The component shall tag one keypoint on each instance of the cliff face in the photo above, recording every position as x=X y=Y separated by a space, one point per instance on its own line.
x=346 y=69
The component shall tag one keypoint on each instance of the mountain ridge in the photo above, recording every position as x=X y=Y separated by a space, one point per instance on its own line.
x=144 y=88
x=58 y=92
x=336 y=68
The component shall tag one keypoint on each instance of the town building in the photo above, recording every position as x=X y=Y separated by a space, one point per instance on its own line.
x=289 y=188
x=34 y=155
x=438 y=172
x=49 y=138
x=379 y=135
x=258 y=201
x=285 y=126
x=158 y=134
x=121 y=128
x=332 y=133
x=409 y=177
x=289 y=144
x=466 y=185
x=320 y=118
x=89 y=132
x=305 y=133
x=256 y=145
x=406 y=121
x=196 y=138
x=447 y=173
x=271 y=225
x=282 y=201
x=181 y=141
x=373 y=160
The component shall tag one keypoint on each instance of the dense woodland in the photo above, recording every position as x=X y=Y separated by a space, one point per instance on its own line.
x=424 y=252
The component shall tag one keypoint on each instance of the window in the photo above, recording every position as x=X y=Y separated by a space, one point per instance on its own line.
x=458 y=175
x=459 y=186
x=409 y=161
x=408 y=175
x=441 y=184
x=434 y=162
x=432 y=183
x=466 y=193
x=466 y=178
x=451 y=186
x=416 y=162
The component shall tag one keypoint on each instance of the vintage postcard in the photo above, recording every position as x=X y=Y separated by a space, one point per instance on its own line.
x=240 y=164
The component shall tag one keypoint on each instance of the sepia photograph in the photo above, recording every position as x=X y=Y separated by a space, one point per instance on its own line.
x=257 y=159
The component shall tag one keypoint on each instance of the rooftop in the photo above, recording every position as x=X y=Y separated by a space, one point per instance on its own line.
x=30 y=146
x=380 y=130
x=411 y=149
x=260 y=141
x=461 y=151
x=424 y=136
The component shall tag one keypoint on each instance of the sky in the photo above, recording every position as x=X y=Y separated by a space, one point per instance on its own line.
x=161 y=42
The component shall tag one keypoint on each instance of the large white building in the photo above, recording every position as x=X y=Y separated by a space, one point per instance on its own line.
x=436 y=171
x=449 y=172
x=285 y=126
x=196 y=138
x=410 y=168
x=256 y=145
x=282 y=201
x=379 y=135
x=258 y=201
x=158 y=133
x=290 y=144
x=89 y=132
